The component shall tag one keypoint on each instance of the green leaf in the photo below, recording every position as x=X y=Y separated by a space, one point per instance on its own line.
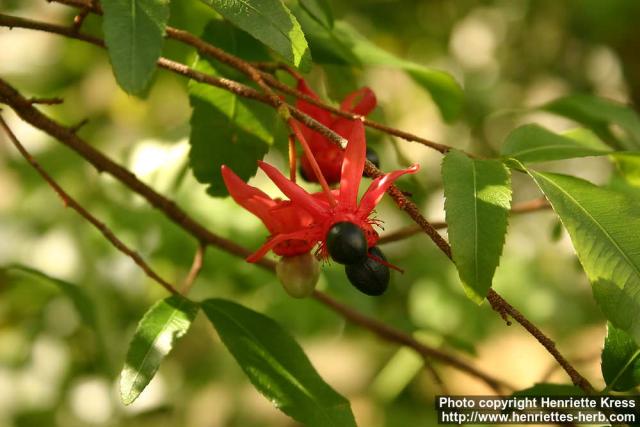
x=271 y=22
x=478 y=199
x=134 y=35
x=277 y=366
x=225 y=128
x=344 y=45
x=533 y=143
x=157 y=332
x=600 y=114
x=604 y=226
x=76 y=294
x=320 y=10
x=550 y=389
x=620 y=360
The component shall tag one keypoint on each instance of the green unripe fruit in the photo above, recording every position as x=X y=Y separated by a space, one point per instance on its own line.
x=298 y=274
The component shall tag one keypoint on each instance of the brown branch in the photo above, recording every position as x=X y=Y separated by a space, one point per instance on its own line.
x=46 y=101
x=411 y=230
x=69 y=201
x=196 y=266
x=370 y=170
x=266 y=80
x=31 y=115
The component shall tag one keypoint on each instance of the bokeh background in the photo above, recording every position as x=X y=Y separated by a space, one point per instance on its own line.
x=510 y=56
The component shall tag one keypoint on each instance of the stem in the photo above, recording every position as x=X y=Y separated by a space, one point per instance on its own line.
x=293 y=159
x=314 y=163
x=33 y=116
x=69 y=201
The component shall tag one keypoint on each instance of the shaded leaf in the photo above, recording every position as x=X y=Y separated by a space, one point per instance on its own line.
x=600 y=114
x=271 y=22
x=157 y=332
x=277 y=366
x=76 y=294
x=225 y=128
x=604 y=227
x=320 y=10
x=478 y=199
x=134 y=35
x=344 y=45
x=620 y=360
x=533 y=143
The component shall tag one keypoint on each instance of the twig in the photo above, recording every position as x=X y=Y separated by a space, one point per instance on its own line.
x=370 y=170
x=69 y=201
x=196 y=266
x=264 y=79
x=46 y=101
x=411 y=230
x=31 y=115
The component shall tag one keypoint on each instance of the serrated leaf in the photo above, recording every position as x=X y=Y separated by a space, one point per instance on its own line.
x=604 y=226
x=225 y=128
x=344 y=45
x=477 y=202
x=277 y=366
x=620 y=360
x=80 y=300
x=134 y=35
x=599 y=114
x=156 y=334
x=271 y=22
x=533 y=143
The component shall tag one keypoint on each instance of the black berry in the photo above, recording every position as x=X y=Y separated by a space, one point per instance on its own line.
x=373 y=157
x=346 y=243
x=370 y=276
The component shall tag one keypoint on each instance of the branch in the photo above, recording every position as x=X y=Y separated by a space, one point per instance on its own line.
x=411 y=230
x=370 y=170
x=266 y=80
x=69 y=201
x=31 y=115
x=196 y=266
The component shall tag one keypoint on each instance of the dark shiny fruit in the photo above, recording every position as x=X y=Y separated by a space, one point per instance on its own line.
x=373 y=157
x=370 y=276
x=304 y=175
x=346 y=243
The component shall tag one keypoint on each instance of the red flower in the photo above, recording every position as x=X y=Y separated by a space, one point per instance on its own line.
x=279 y=216
x=328 y=155
x=309 y=217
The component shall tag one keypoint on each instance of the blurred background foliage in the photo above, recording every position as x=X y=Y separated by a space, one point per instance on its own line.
x=509 y=55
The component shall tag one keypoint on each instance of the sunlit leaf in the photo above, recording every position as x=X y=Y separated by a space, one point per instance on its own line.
x=620 y=360
x=271 y=22
x=160 y=328
x=604 y=226
x=134 y=35
x=478 y=199
x=533 y=143
x=600 y=114
x=277 y=366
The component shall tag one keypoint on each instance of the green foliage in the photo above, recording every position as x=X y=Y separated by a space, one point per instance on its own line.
x=271 y=22
x=533 y=143
x=134 y=34
x=620 y=362
x=478 y=199
x=76 y=295
x=227 y=129
x=164 y=323
x=344 y=45
x=600 y=115
x=277 y=366
x=604 y=226
x=320 y=10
